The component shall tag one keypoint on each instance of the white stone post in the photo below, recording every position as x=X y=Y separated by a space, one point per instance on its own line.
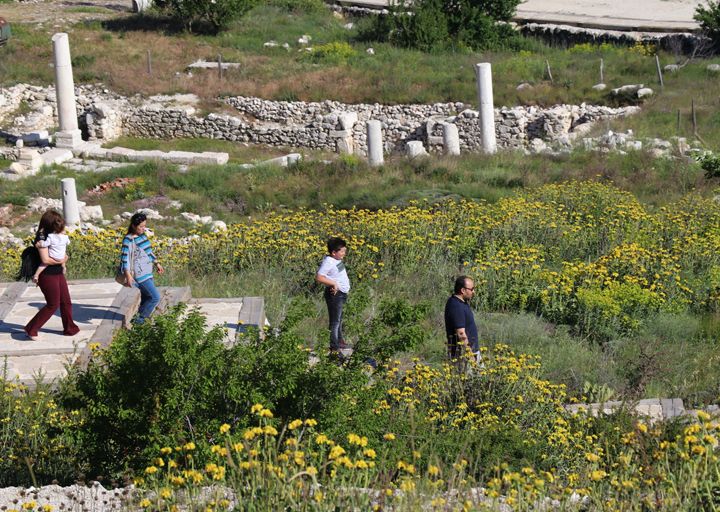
x=451 y=139
x=374 y=143
x=71 y=211
x=69 y=135
x=141 y=5
x=483 y=72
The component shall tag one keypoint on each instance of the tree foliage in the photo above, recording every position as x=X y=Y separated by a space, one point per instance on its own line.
x=709 y=19
x=434 y=24
x=218 y=14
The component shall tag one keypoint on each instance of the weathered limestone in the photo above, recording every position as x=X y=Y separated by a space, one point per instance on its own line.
x=483 y=73
x=141 y=5
x=415 y=149
x=451 y=139
x=375 y=143
x=69 y=135
x=71 y=211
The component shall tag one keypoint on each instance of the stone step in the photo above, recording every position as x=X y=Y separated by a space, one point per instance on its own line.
x=235 y=314
x=100 y=308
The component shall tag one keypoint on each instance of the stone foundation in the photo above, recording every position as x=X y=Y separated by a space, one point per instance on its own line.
x=328 y=125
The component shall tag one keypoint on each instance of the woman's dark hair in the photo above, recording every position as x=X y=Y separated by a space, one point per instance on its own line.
x=135 y=221
x=50 y=222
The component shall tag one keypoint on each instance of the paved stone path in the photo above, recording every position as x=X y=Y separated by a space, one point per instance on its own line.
x=639 y=15
x=100 y=307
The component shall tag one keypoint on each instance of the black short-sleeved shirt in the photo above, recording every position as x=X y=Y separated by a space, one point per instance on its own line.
x=459 y=315
x=51 y=270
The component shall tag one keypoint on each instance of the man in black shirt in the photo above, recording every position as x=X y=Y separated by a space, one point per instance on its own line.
x=460 y=325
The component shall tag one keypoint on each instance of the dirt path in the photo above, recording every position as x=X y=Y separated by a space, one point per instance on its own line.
x=63 y=12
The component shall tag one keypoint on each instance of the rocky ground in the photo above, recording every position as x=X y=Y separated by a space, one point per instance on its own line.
x=63 y=12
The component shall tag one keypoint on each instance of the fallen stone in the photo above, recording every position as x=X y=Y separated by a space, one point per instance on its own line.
x=91 y=213
x=415 y=149
x=645 y=92
x=523 y=87
x=672 y=68
x=713 y=68
x=599 y=87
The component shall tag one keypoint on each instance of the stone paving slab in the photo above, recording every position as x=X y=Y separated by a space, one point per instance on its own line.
x=100 y=308
x=225 y=313
x=26 y=368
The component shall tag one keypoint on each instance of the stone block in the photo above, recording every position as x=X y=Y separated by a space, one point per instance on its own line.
x=56 y=156
x=68 y=139
x=120 y=153
x=415 y=149
x=91 y=213
x=144 y=156
x=181 y=157
x=211 y=158
x=339 y=134
x=347 y=120
x=346 y=146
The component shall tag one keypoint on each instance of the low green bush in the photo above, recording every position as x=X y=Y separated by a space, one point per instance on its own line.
x=39 y=441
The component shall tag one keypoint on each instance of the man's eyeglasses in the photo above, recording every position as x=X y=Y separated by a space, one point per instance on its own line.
x=471 y=289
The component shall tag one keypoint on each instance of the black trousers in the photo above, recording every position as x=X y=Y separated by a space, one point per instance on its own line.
x=335 y=303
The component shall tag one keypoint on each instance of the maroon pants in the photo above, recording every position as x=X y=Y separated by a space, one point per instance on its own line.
x=57 y=295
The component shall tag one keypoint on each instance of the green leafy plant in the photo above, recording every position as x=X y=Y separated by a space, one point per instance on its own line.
x=709 y=19
x=219 y=14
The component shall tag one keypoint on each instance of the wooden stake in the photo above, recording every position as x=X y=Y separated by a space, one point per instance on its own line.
x=547 y=66
x=659 y=71
x=149 y=63
x=694 y=118
x=602 y=71
x=678 y=122
x=220 y=73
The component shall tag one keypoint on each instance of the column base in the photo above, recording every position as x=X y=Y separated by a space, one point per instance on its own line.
x=68 y=139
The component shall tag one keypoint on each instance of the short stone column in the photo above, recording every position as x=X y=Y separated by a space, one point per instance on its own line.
x=483 y=73
x=69 y=135
x=374 y=143
x=71 y=210
x=451 y=139
x=141 y=5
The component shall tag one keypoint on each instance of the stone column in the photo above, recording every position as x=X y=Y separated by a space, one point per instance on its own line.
x=483 y=72
x=374 y=143
x=451 y=139
x=71 y=210
x=69 y=134
x=141 y=5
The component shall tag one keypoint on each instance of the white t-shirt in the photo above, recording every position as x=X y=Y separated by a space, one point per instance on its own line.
x=335 y=270
x=57 y=245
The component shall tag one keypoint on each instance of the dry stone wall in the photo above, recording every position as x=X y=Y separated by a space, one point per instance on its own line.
x=327 y=125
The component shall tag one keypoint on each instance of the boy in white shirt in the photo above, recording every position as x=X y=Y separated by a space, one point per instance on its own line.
x=333 y=274
x=56 y=244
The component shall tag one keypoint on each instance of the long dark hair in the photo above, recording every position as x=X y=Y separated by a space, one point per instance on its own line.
x=135 y=221
x=50 y=222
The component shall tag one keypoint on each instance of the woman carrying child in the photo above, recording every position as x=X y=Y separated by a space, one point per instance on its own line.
x=50 y=277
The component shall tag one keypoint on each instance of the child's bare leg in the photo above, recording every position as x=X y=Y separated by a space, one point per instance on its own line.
x=39 y=271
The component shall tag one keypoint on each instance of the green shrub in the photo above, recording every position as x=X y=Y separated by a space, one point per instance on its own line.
x=709 y=19
x=174 y=379
x=436 y=24
x=710 y=163
x=336 y=52
x=298 y=6
x=37 y=439
x=219 y=14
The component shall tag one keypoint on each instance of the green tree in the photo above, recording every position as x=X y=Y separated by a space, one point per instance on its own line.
x=219 y=14
x=709 y=19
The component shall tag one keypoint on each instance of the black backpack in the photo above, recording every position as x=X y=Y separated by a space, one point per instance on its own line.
x=29 y=263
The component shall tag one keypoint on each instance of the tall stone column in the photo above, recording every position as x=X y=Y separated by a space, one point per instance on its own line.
x=71 y=210
x=69 y=135
x=375 y=143
x=483 y=73
x=451 y=139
